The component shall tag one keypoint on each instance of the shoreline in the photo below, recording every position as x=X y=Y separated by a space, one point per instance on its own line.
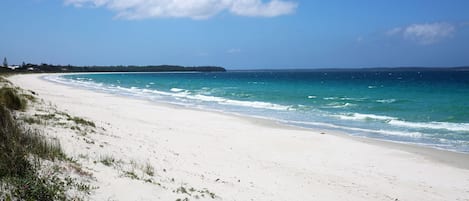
x=249 y=154
x=450 y=157
x=334 y=123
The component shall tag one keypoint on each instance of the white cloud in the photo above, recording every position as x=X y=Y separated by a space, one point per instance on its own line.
x=258 y=8
x=424 y=34
x=195 y=9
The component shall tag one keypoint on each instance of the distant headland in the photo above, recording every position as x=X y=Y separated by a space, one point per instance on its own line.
x=49 y=68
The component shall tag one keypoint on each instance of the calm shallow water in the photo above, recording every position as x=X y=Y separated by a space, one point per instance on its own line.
x=427 y=108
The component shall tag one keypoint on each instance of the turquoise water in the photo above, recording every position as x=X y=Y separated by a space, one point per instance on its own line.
x=426 y=108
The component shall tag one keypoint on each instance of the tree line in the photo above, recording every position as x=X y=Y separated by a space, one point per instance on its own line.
x=50 y=68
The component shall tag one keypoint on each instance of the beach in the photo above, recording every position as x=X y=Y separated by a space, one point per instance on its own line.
x=229 y=157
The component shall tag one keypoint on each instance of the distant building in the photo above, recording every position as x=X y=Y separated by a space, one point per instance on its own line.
x=30 y=69
x=13 y=67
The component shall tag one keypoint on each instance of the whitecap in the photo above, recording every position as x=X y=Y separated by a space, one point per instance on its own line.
x=339 y=105
x=381 y=132
x=386 y=101
x=459 y=127
x=358 y=116
x=176 y=90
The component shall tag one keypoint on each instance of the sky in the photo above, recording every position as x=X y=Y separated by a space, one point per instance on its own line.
x=237 y=34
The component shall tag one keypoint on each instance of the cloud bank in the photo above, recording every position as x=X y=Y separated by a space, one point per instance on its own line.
x=195 y=9
x=425 y=34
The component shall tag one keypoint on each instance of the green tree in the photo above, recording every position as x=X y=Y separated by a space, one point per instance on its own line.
x=5 y=62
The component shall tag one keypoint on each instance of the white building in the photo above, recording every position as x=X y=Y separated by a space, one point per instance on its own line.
x=13 y=67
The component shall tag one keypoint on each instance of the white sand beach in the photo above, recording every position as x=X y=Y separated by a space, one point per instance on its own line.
x=217 y=156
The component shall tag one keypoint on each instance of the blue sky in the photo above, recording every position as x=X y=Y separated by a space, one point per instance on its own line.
x=237 y=34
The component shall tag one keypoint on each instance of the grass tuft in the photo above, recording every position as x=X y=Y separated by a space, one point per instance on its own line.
x=131 y=175
x=46 y=116
x=82 y=121
x=149 y=170
x=9 y=98
x=107 y=160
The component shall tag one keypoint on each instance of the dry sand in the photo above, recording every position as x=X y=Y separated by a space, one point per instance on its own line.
x=238 y=158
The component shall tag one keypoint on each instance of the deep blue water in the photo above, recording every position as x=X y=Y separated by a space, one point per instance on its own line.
x=427 y=108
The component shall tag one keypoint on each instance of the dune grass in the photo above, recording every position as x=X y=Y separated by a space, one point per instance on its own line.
x=107 y=160
x=81 y=121
x=21 y=153
x=9 y=98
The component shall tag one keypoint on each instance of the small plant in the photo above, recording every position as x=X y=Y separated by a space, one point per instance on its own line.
x=82 y=121
x=107 y=160
x=43 y=148
x=182 y=190
x=207 y=192
x=131 y=174
x=83 y=187
x=46 y=116
x=149 y=170
x=31 y=120
x=75 y=128
x=64 y=114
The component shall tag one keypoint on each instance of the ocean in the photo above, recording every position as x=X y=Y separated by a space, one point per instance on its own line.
x=428 y=108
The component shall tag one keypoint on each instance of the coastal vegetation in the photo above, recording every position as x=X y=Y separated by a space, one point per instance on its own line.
x=51 y=68
x=10 y=99
x=31 y=165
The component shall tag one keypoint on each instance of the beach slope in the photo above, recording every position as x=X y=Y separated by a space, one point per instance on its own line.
x=203 y=155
